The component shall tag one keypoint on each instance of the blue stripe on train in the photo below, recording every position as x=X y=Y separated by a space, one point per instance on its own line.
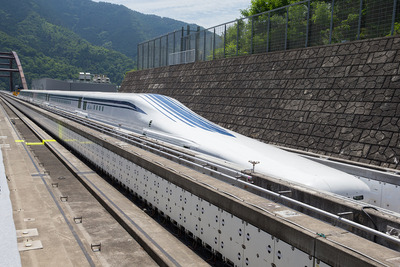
x=182 y=113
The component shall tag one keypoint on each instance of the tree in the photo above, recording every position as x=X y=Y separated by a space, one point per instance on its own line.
x=259 y=6
x=287 y=24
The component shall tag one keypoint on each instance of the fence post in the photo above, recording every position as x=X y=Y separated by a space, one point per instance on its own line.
x=154 y=53
x=137 y=57
x=205 y=45
x=237 y=38
x=393 y=16
x=187 y=39
x=286 y=29
x=252 y=33
x=159 y=54
x=214 y=44
x=142 y=56
x=196 y=44
x=182 y=35
x=359 y=20
x=308 y=23
x=148 y=55
x=225 y=42
x=166 y=51
x=174 y=41
x=331 y=26
x=268 y=26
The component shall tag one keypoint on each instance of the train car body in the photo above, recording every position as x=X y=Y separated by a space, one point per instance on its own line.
x=166 y=119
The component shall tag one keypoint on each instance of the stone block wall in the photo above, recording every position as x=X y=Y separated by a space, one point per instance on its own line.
x=341 y=100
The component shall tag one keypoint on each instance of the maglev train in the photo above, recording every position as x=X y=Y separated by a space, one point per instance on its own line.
x=166 y=119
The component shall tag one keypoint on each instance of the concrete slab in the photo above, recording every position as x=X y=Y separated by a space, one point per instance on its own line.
x=27 y=232
x=29 y=245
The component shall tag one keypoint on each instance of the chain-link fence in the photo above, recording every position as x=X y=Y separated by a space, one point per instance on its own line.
x=303 y=24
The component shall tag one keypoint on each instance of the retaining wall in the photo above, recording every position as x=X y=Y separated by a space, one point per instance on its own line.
x=339 y=100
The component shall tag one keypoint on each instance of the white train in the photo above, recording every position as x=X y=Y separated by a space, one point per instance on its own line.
x=166 y=119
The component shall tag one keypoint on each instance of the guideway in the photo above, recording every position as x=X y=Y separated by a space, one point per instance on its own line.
x=244 y=228
x=73 y=226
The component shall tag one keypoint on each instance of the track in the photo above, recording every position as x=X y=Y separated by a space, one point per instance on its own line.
x=92 y=200
x=184 y=157
x=275 y=195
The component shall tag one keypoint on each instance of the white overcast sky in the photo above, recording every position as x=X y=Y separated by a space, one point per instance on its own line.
x=206 y=13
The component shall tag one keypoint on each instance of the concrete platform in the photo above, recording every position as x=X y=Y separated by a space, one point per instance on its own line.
x=8 y=240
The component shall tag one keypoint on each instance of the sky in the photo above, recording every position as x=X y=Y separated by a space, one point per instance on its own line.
x=205 y=13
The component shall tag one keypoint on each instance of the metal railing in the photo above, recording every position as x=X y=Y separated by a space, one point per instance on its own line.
x=184 y=57
x=303 y=24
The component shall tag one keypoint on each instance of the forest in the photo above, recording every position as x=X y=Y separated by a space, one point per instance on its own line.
x=60 y=38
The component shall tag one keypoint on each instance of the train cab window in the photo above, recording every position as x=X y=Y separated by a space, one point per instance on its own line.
x=84 y=105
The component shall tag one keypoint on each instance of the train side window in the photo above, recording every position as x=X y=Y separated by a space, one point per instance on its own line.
x=84 y=105
x=80 y=102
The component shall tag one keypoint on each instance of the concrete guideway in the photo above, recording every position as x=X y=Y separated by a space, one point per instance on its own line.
x=312 y=235
x=125 y=253
x=163 y=246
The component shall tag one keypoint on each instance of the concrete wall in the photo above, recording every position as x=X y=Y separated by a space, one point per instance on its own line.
x=51 y=84
x=340 y=100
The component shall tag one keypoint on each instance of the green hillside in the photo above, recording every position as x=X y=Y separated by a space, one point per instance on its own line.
x=59 y=38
